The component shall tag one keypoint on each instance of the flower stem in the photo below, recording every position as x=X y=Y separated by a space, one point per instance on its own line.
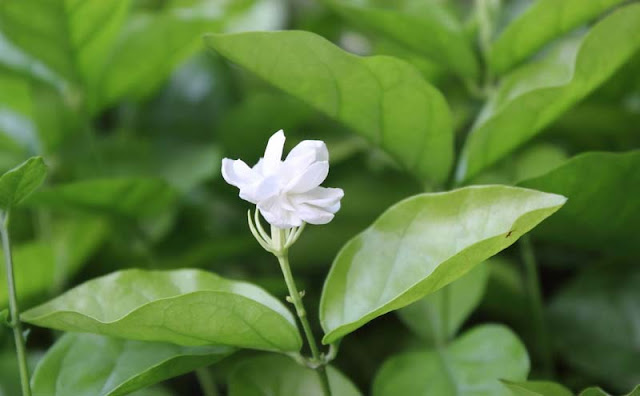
x=296 y=300
x=534 y=292
x=21 y=351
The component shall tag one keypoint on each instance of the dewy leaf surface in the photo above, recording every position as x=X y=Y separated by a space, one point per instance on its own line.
x=424 y=27
x=20 y=182
x=276 y=375
x=543 y=21
x=93 y=365
x=422 y=244
x=472 y=365
x=72 y=37
x=603 y=210
x=129 y=197
x=184 y=307
x=595 y=323
x=532 y=97
x=438 y=316
x=382 y=98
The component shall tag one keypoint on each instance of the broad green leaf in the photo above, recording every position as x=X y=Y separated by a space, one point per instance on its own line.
x=71 y=37
x=602 y=212
x=163 y=40
x=93 y=365
x=426 y=28
x=422 y=244
x=532 y=97
x=276 y=375
x=21 y=181
x=184 y=307
x=129 y=197
x=536 y=388
x=438 y=316
x=472 y=365
x=543 y=21
x=594 y=391
x=45 y=266
x=382 y=98
x=595 y=321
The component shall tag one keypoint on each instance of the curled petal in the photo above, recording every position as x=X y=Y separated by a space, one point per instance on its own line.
x=310 y=150
x=313 y=214
x=308 y=179
x=238 y=173
x=273 y=211
x=322 y=197
x=273 y=153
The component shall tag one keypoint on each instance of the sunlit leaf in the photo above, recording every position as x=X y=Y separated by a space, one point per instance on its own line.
x=426 y=28
x=184 y=307
x=600 y=213
x=21 y=181
x=93 y=365
x=543 y=21
x=531 y=97
x=422 y=244
x=277 y=375
x=382 y=98
x=439 y=315
x=472 y=365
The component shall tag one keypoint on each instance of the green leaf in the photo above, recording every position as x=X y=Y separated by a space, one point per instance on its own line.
x=128 y=197
x=594 y=391
x=533 y=96
x=46 y=265
x=595 y=318
x=382 y=98
x=601 y=213
x=20 y=182
x=543 y=21
x=93 y=365
x=426 y=28
x=536 y=388
x=71 y=37
x=277 y=375
x=471 y=365
x=184 y=307
x=422 y=244
x=438 y=316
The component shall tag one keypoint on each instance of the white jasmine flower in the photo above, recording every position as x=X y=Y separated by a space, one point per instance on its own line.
x=288 y=192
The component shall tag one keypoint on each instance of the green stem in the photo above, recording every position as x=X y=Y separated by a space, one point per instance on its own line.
x=15 y=323
x=296 y=300
x=534 y=292
x=207 y=383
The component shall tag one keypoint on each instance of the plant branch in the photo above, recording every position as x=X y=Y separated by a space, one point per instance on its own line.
x=534 y=293
x=278 y=237
x=15 y=323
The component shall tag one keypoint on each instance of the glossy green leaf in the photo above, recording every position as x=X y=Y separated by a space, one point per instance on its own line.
x=185 y=307
x=21 y=181
x=595 y=318
x=543 y=21
x=533 y=96
x=601 y=213
x=71 y=37
x=472 y=365
x=382 y=98
x=276 y=375
x=422 y=244
x=594 y=391
x=129 y=197
x=93 y=365
x=46 y=265
x=438 y=316
x=426 y=28
x=536 y=388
